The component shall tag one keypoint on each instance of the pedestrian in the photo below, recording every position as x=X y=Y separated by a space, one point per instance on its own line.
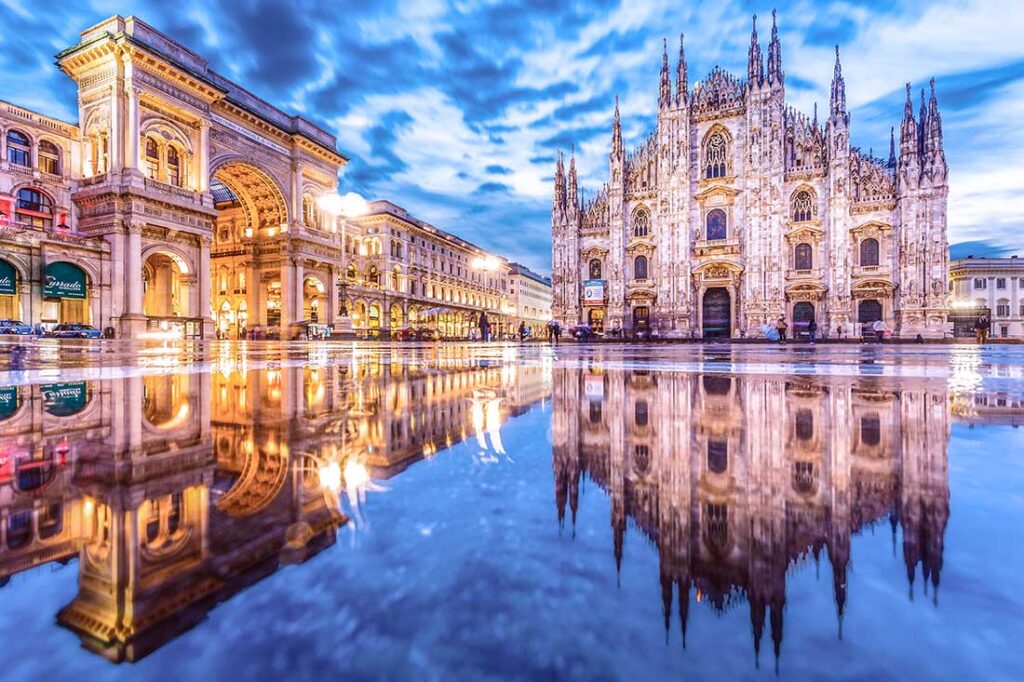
x=879 y=329
x=781 y=327
x=981 y=329
x=557 y=331
x=812 y=331
x=485 y=327
x=522 y=331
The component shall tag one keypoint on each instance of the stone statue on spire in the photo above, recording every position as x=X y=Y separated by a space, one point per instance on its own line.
x=755 y=65
x=775 y=73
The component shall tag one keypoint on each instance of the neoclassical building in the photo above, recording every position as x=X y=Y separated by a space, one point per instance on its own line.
x=737 y=210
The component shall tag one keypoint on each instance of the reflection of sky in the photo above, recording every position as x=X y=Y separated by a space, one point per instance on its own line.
x=466 y=570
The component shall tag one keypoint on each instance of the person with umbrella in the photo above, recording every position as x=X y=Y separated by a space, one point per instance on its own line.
x=485 y=327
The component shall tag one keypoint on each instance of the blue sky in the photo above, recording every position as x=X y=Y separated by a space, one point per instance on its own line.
x=455 y=109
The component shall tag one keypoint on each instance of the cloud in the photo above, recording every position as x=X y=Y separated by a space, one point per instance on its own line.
x=454 y=109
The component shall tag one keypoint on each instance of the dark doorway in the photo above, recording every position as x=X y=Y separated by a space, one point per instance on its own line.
x=717 y=314
x=869 y=311
x=641 y=317
x=803 y=313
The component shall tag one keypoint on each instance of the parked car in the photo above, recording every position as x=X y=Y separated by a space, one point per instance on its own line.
x=75 y=331
x=15 y=327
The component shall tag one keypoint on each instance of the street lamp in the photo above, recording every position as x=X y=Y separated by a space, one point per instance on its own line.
x=351 y=205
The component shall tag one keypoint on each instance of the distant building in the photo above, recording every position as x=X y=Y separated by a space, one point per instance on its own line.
x=530 y=295
x=993 y=283
x=737 y=210
x=403 y=271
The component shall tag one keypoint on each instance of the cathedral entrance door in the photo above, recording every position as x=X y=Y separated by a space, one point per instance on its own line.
x=803 y=313
x=717 y=314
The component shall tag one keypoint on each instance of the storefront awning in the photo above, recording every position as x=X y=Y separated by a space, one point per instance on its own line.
x=65 y=399
x=64 y=280
x=8 y=278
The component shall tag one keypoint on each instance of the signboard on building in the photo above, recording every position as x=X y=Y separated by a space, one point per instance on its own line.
x=8 y=402
x=593 y=292
x=63 y=280
x=8 y=278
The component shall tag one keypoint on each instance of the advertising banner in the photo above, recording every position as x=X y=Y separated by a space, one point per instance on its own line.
x=593 y=292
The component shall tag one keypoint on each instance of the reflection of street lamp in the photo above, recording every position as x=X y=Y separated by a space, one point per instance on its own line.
x=351 y=205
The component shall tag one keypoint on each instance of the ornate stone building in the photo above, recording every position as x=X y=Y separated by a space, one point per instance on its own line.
x=737 y=210
x=736 y=480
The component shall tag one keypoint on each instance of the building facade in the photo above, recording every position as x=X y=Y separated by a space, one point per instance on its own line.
x=738 y=210
x=995 y=285
x=402 y=272
x=530 y=296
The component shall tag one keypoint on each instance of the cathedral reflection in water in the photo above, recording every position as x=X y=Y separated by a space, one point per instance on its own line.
x=735 y=479
x=176 y=491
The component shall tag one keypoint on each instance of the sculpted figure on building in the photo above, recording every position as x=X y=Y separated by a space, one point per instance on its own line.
x=738 y=210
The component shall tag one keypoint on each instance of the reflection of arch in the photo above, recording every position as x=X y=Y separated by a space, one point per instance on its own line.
x=263 y=476
x=261 y=197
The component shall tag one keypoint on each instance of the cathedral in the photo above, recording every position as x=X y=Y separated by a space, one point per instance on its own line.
x=738 y=210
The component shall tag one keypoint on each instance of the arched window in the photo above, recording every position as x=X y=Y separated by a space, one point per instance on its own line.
x=715 y=156
x=152 y=158
x=307 y=210
x=351 y=274
x=869 y=252
x=395 y=281
x=595 y=269
x=34 y=208
x=173 y=167
x=803 y=207
x=19 y=151
x=640 y=267
x=802 y=260
x=49 y=158
x=716 y=225
x=641 y=223
x=373 y=275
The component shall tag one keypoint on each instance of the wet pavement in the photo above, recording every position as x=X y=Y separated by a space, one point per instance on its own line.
x=470 y=511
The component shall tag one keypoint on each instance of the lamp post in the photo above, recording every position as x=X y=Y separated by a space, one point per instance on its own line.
x=351 y=205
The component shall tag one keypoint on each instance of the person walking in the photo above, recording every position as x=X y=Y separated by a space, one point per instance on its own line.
x=812 y=331
x=522 y=331
x=781 y=328
x=556 y=330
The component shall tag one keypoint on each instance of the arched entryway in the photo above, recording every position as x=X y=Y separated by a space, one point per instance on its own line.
x=166 y=286
x=10 y=306
x=314 y=297
x=716 y=313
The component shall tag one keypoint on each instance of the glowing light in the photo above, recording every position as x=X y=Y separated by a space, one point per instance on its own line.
x=330 y=477
x=161 y=335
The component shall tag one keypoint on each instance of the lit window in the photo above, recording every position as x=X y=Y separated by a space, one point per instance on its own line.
x=152 y=158
x=49 y=158
x=173 y=167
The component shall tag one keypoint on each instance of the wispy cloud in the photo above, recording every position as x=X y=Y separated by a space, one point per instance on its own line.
x=455 y=109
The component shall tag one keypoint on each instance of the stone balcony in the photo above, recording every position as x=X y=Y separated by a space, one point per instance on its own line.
x=872 y=271
x=716 y=247
x=812 y=275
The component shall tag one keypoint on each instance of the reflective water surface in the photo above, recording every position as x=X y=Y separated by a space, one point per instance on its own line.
x=473 y=512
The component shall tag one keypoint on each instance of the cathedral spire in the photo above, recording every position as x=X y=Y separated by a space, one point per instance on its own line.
x=682 y=86
x=665 y=96
x=922 y=125
x=559 y=199
x=908 y=129
x=572 y=190
x=815 y=122
x=892 y=147
x=775 y=73
x=837 y=102
x=617 y=131
x=755 y=66
x=934 y=132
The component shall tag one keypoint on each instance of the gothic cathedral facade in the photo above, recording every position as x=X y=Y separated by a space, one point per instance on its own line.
x=738 y=210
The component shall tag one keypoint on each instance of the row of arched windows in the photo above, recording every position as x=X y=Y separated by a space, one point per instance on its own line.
x=19 y=153
x=163 y=162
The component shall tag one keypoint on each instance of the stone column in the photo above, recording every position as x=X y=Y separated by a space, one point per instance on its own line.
x=203 y=157
x=205 y=275
x=133 y=321
x=133 y=132
x=300 y=276
x=332 y=295
x=287 y=294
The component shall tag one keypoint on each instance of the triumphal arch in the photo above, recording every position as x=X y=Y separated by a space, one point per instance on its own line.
x=206 y=194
